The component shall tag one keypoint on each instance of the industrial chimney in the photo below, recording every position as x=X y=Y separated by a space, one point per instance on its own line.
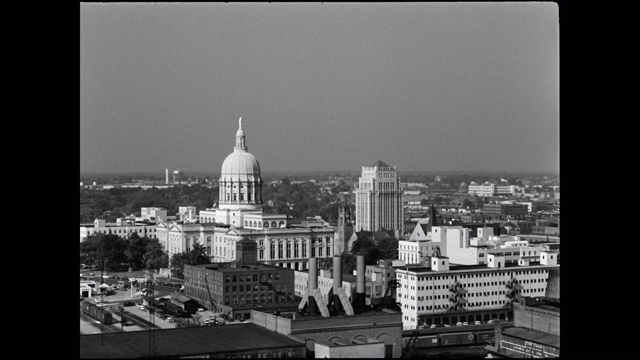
x=166 y=176
x=337 y=283
x=359 y=301
x=313 y=284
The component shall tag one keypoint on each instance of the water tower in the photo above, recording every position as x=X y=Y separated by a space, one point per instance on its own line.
x=177 y=174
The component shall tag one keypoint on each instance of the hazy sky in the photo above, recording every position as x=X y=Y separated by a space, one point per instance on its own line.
x=422 y=86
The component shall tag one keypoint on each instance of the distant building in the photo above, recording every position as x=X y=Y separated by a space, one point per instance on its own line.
x=502 y=211
x=344 y=229
x=379 y=199
x=123 y=229
x=491 y=189
x=154 y=214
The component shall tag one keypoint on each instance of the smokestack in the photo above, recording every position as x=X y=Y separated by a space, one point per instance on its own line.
x=359 y=301
x=337 y=283
x=167 y=176
x=313 y=284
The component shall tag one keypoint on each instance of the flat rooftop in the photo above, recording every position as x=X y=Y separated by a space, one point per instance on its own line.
x=533 y=335
x=456 y=267
x=290 y=314
x=226 y=267
x=183 y=341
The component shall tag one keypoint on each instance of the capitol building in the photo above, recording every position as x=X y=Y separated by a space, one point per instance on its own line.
x=239 y=214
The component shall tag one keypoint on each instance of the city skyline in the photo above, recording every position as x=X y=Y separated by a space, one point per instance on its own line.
x=423 y=87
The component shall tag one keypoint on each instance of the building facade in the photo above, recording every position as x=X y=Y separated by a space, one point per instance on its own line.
x=124 y=230
x=445 y=289
x=491 y=189
x=379 y=199
x=502 y=211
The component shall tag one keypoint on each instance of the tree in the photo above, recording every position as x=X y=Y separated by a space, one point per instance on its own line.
x=388 y=247
x=88 y=250
x=196 y=256
x=155 y=258
x=367 y=248
x=424 y=202
x=467 y=203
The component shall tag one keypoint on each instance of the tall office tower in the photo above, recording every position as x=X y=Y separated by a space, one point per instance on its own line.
x=379 y=199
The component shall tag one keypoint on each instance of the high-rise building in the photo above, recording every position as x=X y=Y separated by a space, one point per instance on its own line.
x=379 y=199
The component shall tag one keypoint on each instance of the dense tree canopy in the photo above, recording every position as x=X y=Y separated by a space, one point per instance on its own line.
x=117 y=202
x=299 y=200
x=113 y=252
x=196 y=256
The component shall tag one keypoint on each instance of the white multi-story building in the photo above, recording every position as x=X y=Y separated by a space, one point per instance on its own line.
x=154 y=214
x=444 y=292
x=491 y=189
x=455 y=243
x=416 y=251
x=379 y=199
x=122 y=229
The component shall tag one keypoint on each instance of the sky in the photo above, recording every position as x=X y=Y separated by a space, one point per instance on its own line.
x=320 y=87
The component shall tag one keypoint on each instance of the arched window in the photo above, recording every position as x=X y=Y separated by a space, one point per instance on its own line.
x=281 y=223
x=266 y=224
x=246 y=223
x=274 y=224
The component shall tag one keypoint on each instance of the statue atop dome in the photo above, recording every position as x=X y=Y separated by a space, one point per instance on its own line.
x=240 y=142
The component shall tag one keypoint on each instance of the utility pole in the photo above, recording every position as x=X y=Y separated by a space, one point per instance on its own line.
x=102 y=300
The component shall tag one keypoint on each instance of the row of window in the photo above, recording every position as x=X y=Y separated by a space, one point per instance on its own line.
x=259 y=224
x=255 y=288
x=470 y=276
x=256 y=299
x=248 y=278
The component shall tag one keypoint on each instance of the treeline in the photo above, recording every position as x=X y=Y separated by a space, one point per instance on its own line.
x=118 y=202
x=114 y=252
x=297 y=200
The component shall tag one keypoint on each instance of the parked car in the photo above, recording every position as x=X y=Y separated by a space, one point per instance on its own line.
x=128 y=303
x=141 y=307
x=465 y=324
x=447 y=325
x=458 y=323
x=200 y=309
x=490 y=322
x=478 y=322
x=169 y=319
x=433 y=326
x=211 y=322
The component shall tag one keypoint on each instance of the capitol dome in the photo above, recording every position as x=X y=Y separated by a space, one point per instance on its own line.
x=240 y=165
x=240 y=185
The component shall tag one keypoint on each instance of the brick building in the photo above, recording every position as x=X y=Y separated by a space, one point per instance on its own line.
x=235 y=288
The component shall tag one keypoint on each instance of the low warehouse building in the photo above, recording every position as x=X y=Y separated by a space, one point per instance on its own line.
x=239 y=341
